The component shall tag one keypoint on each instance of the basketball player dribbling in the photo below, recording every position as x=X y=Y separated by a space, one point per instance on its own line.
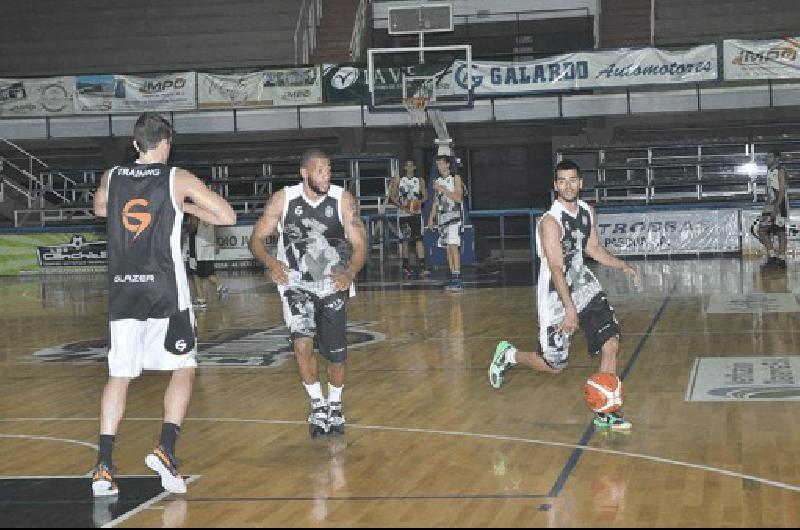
x=151 y=320
x=318 y=223
x=569 y=295
x=406 y=192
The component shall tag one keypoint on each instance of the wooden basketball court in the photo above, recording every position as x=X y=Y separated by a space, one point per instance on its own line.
x=429 y=442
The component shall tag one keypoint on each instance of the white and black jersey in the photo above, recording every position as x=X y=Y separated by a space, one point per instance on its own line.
x=448 y=211
x=774 y=195
x=409 y=189
x=312 y=240
x=145 y=265
x=582 y=283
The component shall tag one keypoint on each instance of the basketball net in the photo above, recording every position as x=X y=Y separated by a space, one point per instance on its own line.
x=417 y=107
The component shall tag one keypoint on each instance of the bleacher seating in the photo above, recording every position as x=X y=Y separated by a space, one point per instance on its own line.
x=680 y=173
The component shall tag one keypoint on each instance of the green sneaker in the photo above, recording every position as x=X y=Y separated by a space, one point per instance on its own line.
x=613 y=421
x=499 y=366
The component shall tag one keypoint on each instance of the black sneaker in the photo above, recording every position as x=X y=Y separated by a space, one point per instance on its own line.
x=336 y=419
x=318 y=418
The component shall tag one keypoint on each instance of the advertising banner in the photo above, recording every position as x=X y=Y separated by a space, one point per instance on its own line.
x=124 y=93
x=762 y=59
x=574 y=71
x=599 y=69
x=36 y=97
x=51 y=252
x=267 y=88
x=234 y=243
x=670 y=232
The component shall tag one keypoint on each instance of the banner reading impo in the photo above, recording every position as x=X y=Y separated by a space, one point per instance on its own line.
x=36 y=97
x=291 y=86
x=614 y=68
x=125 y=93
x=670 y=232
x=762 y=59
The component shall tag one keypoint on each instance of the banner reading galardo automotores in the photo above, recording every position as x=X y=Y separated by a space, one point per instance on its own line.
x=762 y=59
x=574 y=71
x=125 y=93
x=36 y=97
x=266 y=88
x=585 y=70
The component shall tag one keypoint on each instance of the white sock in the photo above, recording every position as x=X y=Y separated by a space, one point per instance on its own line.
x=314 y=391
x=511 y=355
x=335 y=393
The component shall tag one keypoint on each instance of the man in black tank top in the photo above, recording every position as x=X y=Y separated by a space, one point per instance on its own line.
x=151 y=322
x=322 y=247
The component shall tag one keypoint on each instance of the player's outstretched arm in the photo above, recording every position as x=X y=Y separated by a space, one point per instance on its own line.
x=356 y=234
x=206 y=204
x=264 y=228
x=600 y=254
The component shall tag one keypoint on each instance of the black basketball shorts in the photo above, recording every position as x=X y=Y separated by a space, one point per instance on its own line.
x=322 y=319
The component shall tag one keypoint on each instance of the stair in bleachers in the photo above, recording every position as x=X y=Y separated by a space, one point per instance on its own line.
x=625 y=23
x=335 y=32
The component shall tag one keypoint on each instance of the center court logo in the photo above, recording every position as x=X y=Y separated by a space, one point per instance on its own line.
x=136 y=222
x=238 y=348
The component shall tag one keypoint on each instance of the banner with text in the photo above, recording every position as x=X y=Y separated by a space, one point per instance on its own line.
x=762 y=59
x=267 y=88
x=124 y=93
x=670 y=232
x=36 y=97
x=52 y=253
x=574 y=71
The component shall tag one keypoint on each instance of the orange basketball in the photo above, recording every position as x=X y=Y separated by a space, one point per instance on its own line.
x=604 y=392
x=414 y=206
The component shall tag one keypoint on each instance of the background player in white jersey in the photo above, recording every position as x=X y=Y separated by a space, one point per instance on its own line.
x=446 y=217
x=152 y=324
x=775 y=219
x=409 y=193
x=569 y=295
x=203 y=249
x=319 y=225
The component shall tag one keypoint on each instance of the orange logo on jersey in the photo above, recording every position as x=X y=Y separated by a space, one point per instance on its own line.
x=136 y=222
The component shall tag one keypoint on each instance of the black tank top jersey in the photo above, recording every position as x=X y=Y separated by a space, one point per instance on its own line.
x=312 y=241
x=144 y=258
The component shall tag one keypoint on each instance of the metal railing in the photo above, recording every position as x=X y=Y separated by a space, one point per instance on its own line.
x=305 y=33
x=39 y=177
x=359 y=29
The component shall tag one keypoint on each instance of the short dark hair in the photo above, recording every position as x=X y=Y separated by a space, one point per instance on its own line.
x=446 y=159
x=776 y=153
x=150 y=129
x=566 y=165
x=312 y=154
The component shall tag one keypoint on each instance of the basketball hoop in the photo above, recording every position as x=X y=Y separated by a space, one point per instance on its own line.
x=417 y=107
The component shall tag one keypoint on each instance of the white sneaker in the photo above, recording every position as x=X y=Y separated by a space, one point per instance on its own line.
x=171 y=479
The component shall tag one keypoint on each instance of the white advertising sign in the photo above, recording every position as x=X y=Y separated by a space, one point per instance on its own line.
x=613 y=68
x=291 y=86
x=762 y=59
x=670 y=232
x=36 y=97
x=125 y=93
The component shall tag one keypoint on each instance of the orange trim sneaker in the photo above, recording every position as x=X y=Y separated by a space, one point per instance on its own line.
x=164 y=464
x=103 y=484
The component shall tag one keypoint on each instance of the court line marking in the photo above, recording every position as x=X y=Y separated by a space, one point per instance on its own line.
x=575 y=457
x=147 y=505
x=51 y=439
x=494 y=437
